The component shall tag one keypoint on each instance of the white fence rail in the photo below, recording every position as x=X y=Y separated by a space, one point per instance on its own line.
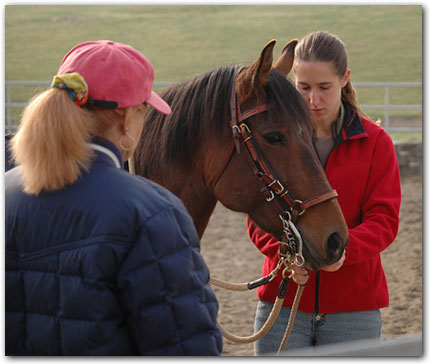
x=11 y=125
x=387 y=106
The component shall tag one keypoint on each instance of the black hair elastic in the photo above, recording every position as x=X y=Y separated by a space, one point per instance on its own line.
x=103 y=104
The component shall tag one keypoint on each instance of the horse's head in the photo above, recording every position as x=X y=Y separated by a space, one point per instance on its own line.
x=283 y=136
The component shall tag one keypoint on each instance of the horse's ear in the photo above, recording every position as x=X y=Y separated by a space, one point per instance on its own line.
x=286 y=59
x=255 y=75
x=264 y=63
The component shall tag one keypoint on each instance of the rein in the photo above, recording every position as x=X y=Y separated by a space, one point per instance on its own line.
x=289 y=208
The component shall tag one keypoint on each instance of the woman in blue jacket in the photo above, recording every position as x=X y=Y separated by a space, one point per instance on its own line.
x=98 y=261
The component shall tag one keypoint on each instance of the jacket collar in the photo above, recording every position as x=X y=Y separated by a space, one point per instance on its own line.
x=106 y=152
x=352 y=127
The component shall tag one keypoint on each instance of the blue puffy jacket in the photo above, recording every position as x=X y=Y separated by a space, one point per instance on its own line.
x=107 y=266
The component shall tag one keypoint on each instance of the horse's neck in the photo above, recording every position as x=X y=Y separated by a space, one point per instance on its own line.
x=200 y=211
x=192 y=190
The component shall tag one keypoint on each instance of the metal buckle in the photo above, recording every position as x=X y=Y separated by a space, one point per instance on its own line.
x=245 y=126
x=280 y=186
x=235 y=127
x=299 y=204
x=272 y=196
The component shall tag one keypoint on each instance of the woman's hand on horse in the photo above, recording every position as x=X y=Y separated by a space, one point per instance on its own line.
x=336 y=266
x=299 y=275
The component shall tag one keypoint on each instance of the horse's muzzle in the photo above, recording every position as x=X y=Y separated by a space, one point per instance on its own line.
x=335 y=247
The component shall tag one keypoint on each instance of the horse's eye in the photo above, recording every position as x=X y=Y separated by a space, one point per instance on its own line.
x=275 y=138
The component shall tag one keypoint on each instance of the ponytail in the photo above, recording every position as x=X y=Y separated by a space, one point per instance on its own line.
x=51 y=144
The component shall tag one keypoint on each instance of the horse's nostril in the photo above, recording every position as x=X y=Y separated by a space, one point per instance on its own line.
x=333 y=243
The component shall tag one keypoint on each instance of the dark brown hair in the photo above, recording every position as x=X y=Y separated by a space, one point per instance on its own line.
x=325 y=47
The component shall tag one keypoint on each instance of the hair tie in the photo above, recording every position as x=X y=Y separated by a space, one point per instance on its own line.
x=74 y=84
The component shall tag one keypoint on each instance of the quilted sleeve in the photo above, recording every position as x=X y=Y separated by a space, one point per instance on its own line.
x=164 y=289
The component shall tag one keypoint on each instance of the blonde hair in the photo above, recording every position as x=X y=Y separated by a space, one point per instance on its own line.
x=51 y=144
x=325 y=47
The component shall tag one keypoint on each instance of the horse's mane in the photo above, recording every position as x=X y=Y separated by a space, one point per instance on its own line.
x=199 y=106
x=200 y=110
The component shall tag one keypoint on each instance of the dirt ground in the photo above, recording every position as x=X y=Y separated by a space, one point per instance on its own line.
x=231 y=256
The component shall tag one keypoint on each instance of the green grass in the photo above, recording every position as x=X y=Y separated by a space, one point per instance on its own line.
x=384 y=43
x=406 y=137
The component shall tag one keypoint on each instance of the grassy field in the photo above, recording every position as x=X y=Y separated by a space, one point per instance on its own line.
x=384 y=43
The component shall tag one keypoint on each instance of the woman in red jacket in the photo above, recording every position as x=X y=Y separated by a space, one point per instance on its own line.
x=340 y=302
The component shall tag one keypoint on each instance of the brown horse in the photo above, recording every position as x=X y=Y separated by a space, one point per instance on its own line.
x=191 y=152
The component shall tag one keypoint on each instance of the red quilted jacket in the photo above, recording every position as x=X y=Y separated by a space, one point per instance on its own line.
x=363 y=169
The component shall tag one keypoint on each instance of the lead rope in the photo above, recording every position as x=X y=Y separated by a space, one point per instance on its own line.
x=292 y=318
x=286 y=258
x=276 y=309
x=251 y=285
x=272 y=316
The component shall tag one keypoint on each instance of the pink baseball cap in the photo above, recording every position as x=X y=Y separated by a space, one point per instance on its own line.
x=117 y=75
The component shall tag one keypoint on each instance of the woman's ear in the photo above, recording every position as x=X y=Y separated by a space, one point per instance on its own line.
x=346 y=77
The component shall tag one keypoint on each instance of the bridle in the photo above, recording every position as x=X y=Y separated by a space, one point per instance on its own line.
x=272 y=188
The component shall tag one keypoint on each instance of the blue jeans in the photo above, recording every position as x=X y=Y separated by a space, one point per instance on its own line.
x=312 y=329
